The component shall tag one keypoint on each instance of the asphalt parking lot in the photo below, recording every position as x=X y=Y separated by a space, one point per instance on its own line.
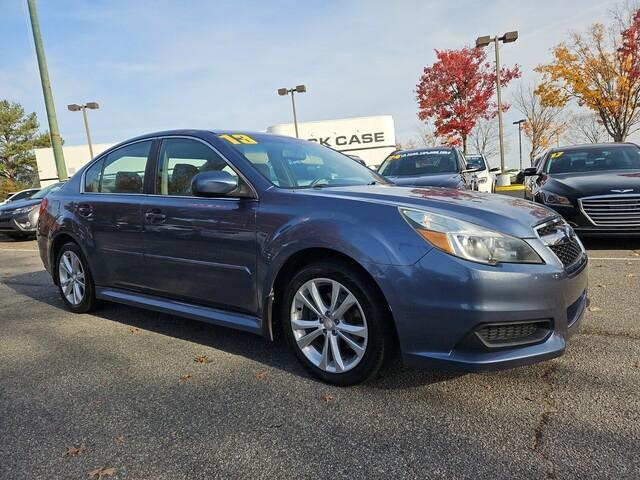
x=123 y=388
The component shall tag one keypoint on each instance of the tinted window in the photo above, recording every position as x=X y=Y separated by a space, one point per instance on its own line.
x=182 y=159
x=577 y=160
x=47 y=190
x=291 y=163
x=22 y=195
x=123 y=170
x=421 y=162
x=92 y=177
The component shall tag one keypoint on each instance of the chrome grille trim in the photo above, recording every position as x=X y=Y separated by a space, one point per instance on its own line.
x=559 y=237
x=620 y=210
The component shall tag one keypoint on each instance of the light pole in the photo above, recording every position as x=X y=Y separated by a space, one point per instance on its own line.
x=91 y=106
x=519 y=123
x=482 y=42
x=284 y=92
x=54 y=132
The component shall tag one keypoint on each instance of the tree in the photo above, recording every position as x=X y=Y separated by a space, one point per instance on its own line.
x=586 y=128
x=457 y=90
x=544 y=122
x=599 y=70
x=19 y=135
x=484 y=137
x=427 y=136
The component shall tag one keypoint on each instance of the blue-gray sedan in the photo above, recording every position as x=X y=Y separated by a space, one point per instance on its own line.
x=279 y=236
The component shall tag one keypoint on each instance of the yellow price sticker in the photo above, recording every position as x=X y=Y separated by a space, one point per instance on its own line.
x=238 y=138
x=556 y=154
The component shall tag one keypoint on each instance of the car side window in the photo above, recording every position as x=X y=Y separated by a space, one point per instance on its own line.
x=180 y=160
x=123 y=170
x=92 y=177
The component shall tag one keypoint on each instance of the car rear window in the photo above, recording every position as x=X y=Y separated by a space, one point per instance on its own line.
x=422 y=162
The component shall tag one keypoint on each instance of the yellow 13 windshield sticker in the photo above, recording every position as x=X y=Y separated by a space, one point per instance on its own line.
x=238 y=138
x=556 y=154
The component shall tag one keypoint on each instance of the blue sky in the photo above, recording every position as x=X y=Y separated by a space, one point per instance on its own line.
x=213 y=64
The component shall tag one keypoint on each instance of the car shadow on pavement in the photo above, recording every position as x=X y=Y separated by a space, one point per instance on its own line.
x=611 y=243
x=39 y=287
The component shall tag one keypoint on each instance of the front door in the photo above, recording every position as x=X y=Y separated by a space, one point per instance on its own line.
x=199 y=250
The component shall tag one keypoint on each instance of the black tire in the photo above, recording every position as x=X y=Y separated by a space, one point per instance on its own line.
x=89 y=301
x=378 y=320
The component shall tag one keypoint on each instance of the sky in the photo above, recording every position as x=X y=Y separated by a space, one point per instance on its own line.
x=155 y=65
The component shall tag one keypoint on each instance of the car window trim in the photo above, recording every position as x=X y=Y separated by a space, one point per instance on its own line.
x=156 y=161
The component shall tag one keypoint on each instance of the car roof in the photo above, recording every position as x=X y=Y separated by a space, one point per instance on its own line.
x=593 y=146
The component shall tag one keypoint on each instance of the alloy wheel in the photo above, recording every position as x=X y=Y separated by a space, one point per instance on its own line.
x=72 y=278
x=329 y=325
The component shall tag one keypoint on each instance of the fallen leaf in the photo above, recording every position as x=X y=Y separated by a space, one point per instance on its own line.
x=327 y=397
x=261 y=375
x=202 y=359
x=630 y=275
x=602 y=286
x=120 y=439
x=636 y=365
x=185 y=377
x=75 y=451
x=594 y=309
x=102 y=472
x=134 y=330
x=487 y=387
x=636 y=253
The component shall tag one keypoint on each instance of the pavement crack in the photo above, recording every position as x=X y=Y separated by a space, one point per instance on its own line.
x=548 y=409
x=605 y=333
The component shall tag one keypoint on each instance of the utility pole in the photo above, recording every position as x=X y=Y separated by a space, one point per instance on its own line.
x=519 y=123
x=54 y=132
x=74 y=107
x=286 y=91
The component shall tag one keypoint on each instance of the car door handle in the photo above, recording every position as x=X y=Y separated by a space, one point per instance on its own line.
x=155 y=216
x=85 y=210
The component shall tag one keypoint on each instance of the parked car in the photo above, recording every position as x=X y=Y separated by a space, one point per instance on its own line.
x=279 y=236
x=485 y=174
x=435 y=167
x=596 y=188
x=21 y=195
x=18 y=219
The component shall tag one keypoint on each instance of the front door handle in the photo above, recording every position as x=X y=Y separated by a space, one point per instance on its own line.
x=155 y=216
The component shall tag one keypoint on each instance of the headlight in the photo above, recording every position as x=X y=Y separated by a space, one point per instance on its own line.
x=20 y=211
x=553 y=199
x=469 y=241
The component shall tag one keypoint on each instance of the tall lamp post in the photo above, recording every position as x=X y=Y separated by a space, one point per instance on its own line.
x=519 y=123
x=76 y=108
x=283 y=92
x=482 y=42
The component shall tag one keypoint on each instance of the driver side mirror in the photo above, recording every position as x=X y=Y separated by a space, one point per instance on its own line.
x=215 y=183
x=495 y=170
x=531 y=171
x=471 y=170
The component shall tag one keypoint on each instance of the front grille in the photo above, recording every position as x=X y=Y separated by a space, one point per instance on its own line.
x=612 y=210
x=568 y=253
x=510 y=334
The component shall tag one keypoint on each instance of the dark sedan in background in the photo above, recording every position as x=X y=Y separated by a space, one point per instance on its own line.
x=596 y=188
x=429 y=167
x=18 y=219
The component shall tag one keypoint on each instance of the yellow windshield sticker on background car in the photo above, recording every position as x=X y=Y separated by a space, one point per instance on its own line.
x=238 y=138
x=394 y=157
x=556 y=154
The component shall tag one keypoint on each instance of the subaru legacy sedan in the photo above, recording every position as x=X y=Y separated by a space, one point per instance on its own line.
x=278 y=236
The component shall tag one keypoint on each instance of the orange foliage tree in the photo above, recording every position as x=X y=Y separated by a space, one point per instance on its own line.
x=601 y=70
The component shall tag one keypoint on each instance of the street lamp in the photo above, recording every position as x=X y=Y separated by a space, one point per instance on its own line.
x=482 y=42
x=76 y=108
x=519 y=123
x=284 y=92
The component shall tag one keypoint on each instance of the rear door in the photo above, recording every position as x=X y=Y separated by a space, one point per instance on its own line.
x=110 y=212
x=200 y=250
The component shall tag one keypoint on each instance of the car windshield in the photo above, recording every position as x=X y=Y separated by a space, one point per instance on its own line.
x=420 y=162
x=47 y=190
x=292 y=163
x=579 y=160
x=475 y=161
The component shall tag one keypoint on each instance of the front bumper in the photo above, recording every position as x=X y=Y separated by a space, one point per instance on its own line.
x=441 y=302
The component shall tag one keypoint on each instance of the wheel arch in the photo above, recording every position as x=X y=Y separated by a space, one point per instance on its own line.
x=56 y=244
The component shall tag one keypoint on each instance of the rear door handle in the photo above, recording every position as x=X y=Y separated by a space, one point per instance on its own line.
x=85 y=210
x=155 y=216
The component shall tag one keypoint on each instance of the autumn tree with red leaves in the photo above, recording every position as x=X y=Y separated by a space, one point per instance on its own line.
x=457 y=91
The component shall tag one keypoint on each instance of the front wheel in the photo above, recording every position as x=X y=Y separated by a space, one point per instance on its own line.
x=74 y=279
x=336 y=323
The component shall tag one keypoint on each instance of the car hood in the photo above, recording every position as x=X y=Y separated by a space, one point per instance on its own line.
x=513 y=216
x=594 y=183
x=9 y=207
x=437 y=180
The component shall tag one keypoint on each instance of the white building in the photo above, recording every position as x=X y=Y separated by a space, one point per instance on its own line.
x=370 y=138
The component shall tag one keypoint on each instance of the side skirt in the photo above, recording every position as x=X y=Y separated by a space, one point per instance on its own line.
x=214 y=316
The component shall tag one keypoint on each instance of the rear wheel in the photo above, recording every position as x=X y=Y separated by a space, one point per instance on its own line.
x=74 y=279
x=336 y=323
